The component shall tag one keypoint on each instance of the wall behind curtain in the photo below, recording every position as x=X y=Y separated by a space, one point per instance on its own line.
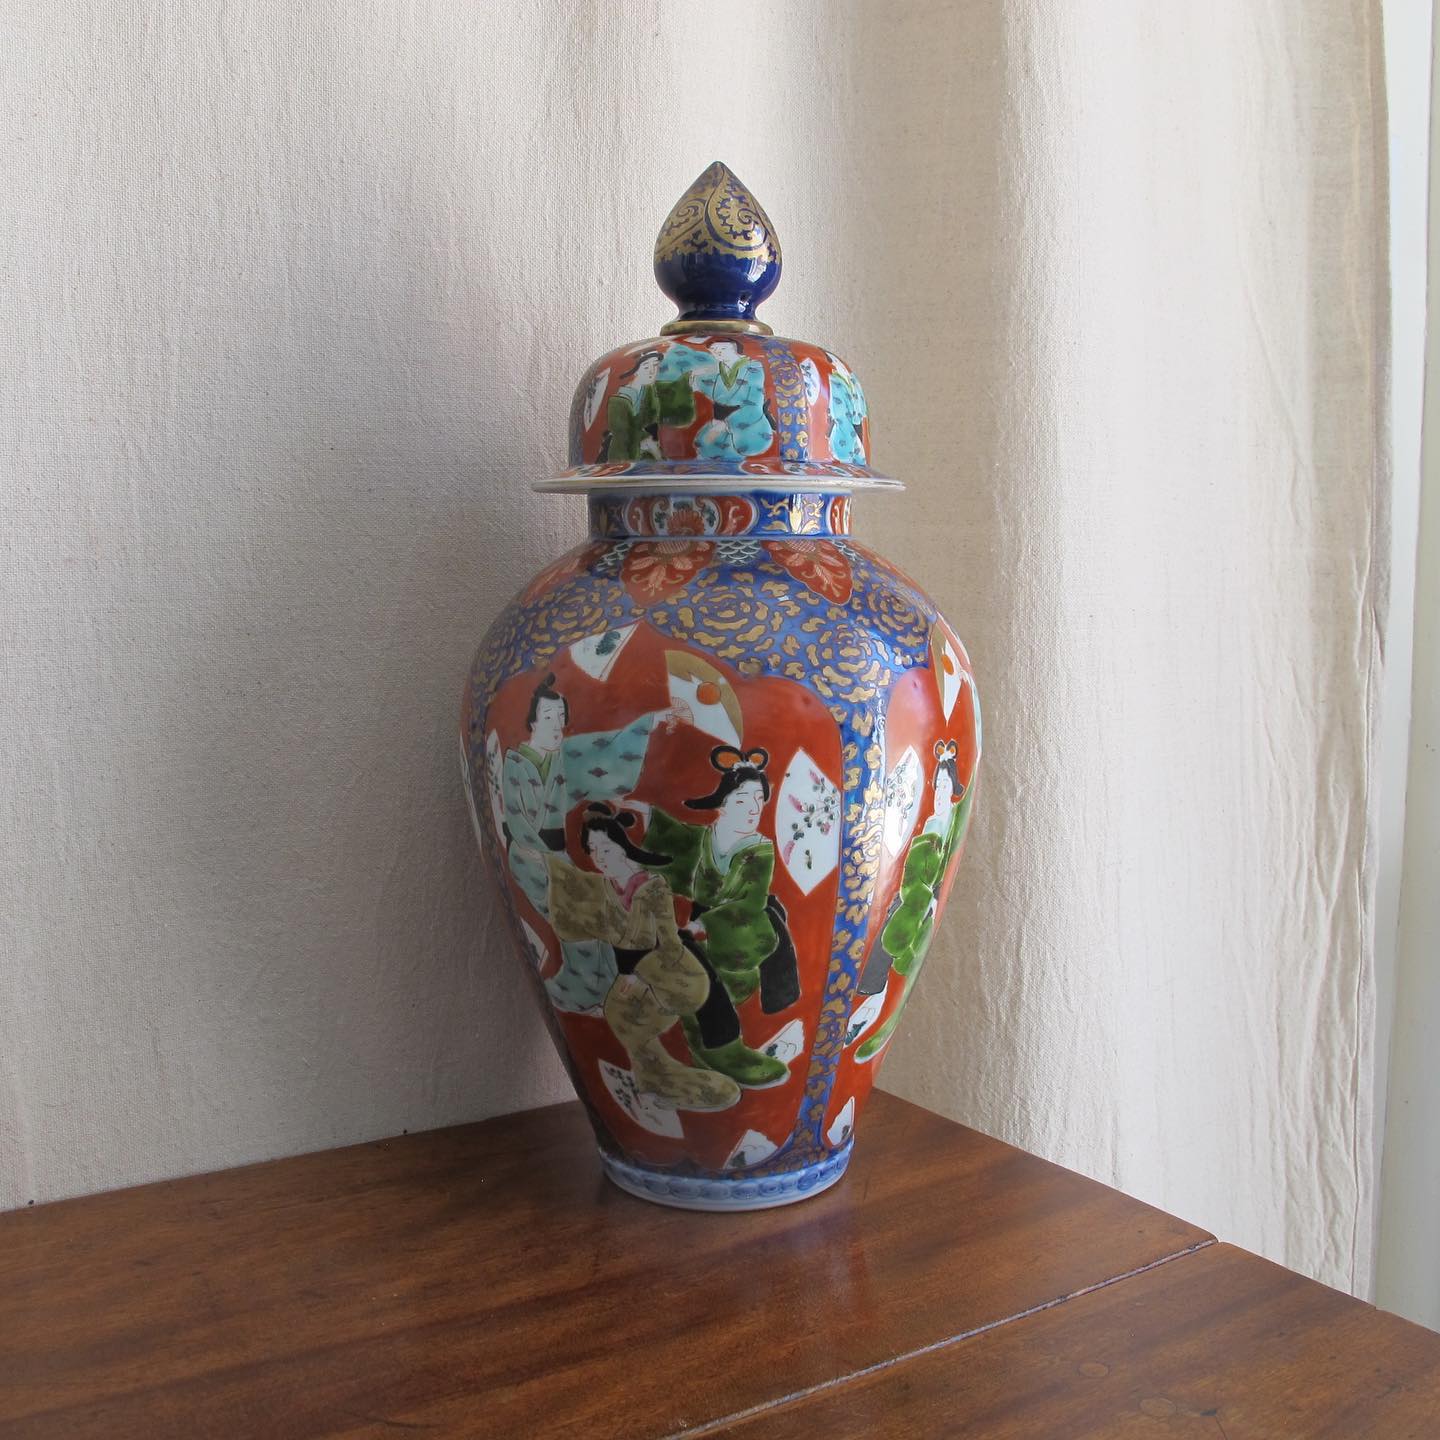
x=298 y=295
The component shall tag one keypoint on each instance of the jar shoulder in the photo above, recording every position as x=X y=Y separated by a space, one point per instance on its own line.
x=765 y=605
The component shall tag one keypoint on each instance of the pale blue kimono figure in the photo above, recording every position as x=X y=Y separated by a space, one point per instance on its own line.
x=542 y=781
x=736 y=387
x=847 y=415
x=680 y=362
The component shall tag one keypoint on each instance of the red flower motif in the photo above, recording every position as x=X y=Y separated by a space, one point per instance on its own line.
x=816 y=563
x=567 y=565
x=688 y=521
x=656 y=570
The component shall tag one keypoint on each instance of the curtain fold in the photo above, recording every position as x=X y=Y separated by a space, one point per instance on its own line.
x=1159 y=445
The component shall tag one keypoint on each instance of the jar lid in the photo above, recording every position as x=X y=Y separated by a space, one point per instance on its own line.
x=717 y=396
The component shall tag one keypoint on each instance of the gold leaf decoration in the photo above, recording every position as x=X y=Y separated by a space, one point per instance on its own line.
x=717 y=214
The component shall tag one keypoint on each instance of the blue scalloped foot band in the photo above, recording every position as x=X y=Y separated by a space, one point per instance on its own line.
x=727 y=1192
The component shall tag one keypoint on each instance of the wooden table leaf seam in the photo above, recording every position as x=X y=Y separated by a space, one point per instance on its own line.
x=486 y=1280
x=725 y=1422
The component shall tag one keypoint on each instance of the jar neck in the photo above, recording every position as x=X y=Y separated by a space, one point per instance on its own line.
x=666 y=515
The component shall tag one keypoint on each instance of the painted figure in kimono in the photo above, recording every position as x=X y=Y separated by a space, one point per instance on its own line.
x=736 y=387
x=847 y=413
x=737 y=928
x=647 y=400
x=911 y=921
x=543 y=779
x=630 y=908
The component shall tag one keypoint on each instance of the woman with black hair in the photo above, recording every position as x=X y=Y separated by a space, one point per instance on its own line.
x=737 y=927
x=641 y=406
x=742 y=423
x=908 y=927
x=631 y=909
x=542 y=778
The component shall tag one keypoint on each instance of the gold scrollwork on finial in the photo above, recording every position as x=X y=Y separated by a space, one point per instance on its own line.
x=717 y=214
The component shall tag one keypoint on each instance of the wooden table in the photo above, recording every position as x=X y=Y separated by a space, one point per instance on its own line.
x=486 y=1281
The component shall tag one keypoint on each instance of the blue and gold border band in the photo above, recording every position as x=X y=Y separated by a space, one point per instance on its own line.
x=696 y=516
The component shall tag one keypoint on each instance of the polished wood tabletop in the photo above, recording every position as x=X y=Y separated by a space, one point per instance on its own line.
x=486 y=1281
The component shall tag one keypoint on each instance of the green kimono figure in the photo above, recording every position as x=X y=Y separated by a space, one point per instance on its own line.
x=906 y=937
x=737 y=928
x=736 y=387
x=657 y=394
x=543 y=780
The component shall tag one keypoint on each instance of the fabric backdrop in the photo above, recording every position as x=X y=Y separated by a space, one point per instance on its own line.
x=295 y=296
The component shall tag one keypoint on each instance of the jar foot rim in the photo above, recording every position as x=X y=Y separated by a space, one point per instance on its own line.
x=727 y=1192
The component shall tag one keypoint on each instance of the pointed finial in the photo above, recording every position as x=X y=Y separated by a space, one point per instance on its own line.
x=717 y=256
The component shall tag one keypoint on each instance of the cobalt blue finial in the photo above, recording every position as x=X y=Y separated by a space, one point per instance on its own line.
x=717 y=256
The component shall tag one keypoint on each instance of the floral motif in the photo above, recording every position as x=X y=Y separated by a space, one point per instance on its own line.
x=687 y=521
x=573 y=562
x=815 y=563
x=812 y=807
x=656 y=570
x=676 y=515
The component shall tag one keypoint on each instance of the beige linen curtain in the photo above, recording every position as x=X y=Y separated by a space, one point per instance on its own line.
x=1156 y=507
x=298 y=293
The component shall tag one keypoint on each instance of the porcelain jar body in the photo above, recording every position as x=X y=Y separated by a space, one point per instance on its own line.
x=722 y=761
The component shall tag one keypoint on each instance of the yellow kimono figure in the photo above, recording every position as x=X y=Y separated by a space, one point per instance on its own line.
x=542 y=780
x=632 y=910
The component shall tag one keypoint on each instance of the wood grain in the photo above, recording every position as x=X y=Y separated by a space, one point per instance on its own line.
x=487 y=1281
x=1215 y=1345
